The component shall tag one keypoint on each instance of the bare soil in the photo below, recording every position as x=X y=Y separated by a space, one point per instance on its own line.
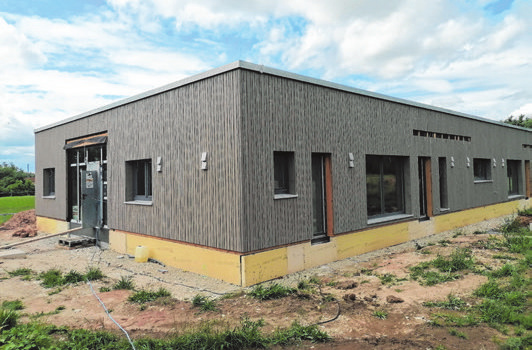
x=349 y=319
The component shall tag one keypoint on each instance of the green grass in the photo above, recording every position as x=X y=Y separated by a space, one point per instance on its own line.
x=15 y=205
x=13 y=305
x=381 y=314
x=273 y=291
x=208 y=335
x=126 y=282
x=447 y=267
x=20 y=272
x=54 y=277
x=204 y=303
x=452 y=303
x=145 y=296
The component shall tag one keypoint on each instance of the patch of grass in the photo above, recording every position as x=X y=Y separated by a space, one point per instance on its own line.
x=426 y=252
x=331 y=284
x=20 y=272
x=8 y=319
x=452 y=303
x=204 y=303
x=72 y=277
x=460 y=259
x=94 y=274
x=125 y=282
x=328 y=298
x=51 y=278
x=297 y=333
x=458 y=334
x=504 y=257
x=273 y=291
x=457 y=320
x=12 y=305
x=444 y=242
x=458 y=233
x=55 y=291
x=145 y=296
x=15 y=205
x=479 y=232
x=381 y=314
x=104 y=289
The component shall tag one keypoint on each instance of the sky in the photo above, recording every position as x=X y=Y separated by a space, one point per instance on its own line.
x=60 y=58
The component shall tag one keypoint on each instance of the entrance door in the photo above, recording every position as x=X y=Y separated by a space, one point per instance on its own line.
x=425 y=187
x=321 y=198
x=90 y=197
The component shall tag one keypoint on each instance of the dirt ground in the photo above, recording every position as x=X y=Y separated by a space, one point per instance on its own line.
x=348 y=320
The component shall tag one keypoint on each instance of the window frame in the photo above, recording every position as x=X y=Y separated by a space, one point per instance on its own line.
x=48 y=183
x=515 y=166
x=139 y=170
x=284 y=183
x=482 y=170
x=383 y=215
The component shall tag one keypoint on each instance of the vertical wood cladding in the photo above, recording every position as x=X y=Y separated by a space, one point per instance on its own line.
x=240 y=117
x=280 y=114
x=191 y=205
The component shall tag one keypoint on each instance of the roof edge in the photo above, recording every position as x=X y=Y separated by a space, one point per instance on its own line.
x=272 y=71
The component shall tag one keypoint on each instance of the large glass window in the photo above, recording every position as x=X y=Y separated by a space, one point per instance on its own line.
x=482 y=169
x=512 y=170
x=283 y=173
x=384 y=185
x=138 y=180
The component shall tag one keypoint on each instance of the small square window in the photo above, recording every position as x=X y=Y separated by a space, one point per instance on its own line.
x=482 y=169
x=49 y=182
x=284 y=177
x=138 y=180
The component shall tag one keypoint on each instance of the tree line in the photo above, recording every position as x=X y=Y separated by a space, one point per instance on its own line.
x=525 y=122
x=15 y=181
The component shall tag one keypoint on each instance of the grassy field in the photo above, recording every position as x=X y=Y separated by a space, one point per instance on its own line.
x=14 y=205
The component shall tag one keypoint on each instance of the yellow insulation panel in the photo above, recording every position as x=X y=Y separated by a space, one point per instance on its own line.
x=264 y=266
x=51 y=225
x=209 y=262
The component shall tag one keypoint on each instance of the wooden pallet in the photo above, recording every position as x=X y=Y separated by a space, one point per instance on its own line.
x=76 y=241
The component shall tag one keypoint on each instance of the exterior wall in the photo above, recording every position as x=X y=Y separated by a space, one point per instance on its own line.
x=282 y=114
x=189 y=205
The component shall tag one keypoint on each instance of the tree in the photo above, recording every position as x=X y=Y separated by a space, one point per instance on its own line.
x=525 y=122
x=14 y=181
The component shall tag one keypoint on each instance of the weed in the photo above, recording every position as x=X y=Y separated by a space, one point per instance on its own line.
x=204 y=303
x=126 y=282
x=232 y=295
x=367 y=272
x=297 y=333
x=314 y=280
x=460 y=259
x=504 y=257
x=20 y=272
x=94 y=274
x=455 y=320
x=55 y=291
x=444 y=242
x=8 y=319
x=505 y=271
x=387 y=278
x=303 y=284
x=398 y=290
x=104 y=289
x=381 y=314
x=142 y=307
x=51 y=278
x=144 y=296
x=478 y=232
x=426 y=252
x=440 y=347
x=452 y=303
x=72 y=277
x=331 y=284
x=273 y=291
x=328 y=298
x=364 y=281
x=12 y=305
x=458 y=233
x=458 y=334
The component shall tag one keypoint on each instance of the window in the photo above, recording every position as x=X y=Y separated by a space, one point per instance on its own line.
x=482 y=169
x=138 y=180
x=49 y=182
x=442 y=169
x=384 y=185
x=284 y=177
x=512 y=168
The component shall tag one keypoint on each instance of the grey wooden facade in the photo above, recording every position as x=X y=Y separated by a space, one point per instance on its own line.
x=240 y=114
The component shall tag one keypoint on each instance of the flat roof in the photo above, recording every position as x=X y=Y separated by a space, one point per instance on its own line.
x=272 y=71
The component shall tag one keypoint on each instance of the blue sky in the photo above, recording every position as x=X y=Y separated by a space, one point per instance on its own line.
x=60 y=58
